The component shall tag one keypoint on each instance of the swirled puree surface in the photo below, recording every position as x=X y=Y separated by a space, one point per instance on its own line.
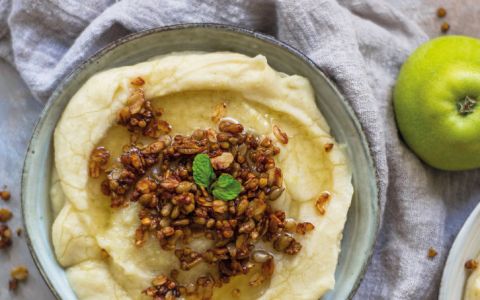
x=113 y=243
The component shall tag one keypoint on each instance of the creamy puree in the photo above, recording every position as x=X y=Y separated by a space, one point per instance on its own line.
x=188 y=87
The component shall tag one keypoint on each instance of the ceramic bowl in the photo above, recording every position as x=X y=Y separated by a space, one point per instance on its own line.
x=363 y=217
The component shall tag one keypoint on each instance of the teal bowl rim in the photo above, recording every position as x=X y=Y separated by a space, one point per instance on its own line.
x=222 y=27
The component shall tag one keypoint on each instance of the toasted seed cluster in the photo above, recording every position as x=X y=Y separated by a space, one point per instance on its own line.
x=175 y=210
x=139 y=117
x=5 y=216
x=164 y=286
x=19 y=273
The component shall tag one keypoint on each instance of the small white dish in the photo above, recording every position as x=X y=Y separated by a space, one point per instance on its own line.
x=466 y=246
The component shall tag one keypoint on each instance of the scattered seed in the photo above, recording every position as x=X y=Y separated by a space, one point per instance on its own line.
x=322 y=201
x=5 y=215
x=5 y=195
x=146 y=221
x=275 y=193
x=235 y=293
x=290 y=225
x=223 y=161
x=304 y=227
x=230 y=127
x=183 y=187
x=432 y=252
x=19 y=273
x=136 y=102
x=104 y=254
x=263 y=182
x=328 y=147
x=138 y=81
x=268 y=267
x=471 y=264
x=167 y=209
x=219 y=112
x=445 y=27
x=169 y=183
x=164 y=126
x=256 y=280
x=282 y=243
x=441 y=12
x=281 y=136
x=5 y=236
x=12 y=285
x=219 y=206
x=159 y=280
x=168 y=231
x=261 y=256
x=181 y=222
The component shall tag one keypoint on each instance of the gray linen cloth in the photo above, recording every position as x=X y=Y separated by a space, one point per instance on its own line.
x=359 y=44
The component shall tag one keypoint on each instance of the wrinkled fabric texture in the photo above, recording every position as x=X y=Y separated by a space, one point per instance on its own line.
x=360 y=45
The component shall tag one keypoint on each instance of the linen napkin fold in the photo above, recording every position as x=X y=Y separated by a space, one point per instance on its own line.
x=360 y=45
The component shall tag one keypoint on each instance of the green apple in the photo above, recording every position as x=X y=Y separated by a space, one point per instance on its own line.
x=435 y=102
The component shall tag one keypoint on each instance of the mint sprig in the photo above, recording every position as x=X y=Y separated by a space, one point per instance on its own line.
x=202 y=170
x=225 y=188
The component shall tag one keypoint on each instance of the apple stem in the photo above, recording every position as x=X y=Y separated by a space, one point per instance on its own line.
x=466 y=105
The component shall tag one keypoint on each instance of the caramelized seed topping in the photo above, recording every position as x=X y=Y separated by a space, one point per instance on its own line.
x=174 y=209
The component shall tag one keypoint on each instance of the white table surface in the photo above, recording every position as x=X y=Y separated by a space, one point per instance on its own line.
x=19 y=112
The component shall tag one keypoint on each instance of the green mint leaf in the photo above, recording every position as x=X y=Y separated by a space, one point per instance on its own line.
x=226 y=188
x=202 y=170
